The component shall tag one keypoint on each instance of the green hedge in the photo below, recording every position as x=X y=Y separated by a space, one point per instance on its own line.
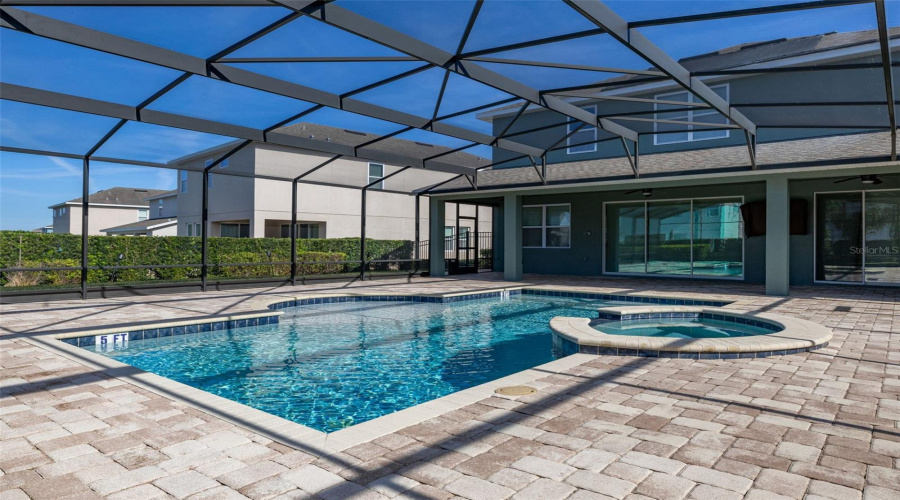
x=35 y=250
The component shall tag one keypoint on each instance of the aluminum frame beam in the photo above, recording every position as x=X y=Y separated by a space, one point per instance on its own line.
x=364 y=27
x=755 y=11
x=884 y=43
x=35 y=24
x=68 y=102
x=604 y=17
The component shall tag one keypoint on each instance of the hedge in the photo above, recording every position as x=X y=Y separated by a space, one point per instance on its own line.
x=35 y=250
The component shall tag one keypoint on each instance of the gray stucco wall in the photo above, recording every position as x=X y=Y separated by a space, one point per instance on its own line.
x=585 y=257
x=825 y=86
x=803 y=247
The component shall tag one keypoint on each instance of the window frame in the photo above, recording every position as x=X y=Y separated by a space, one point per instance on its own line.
x=815 y=236
x=543 y=227
x=145 y=211
x=183 y=181
x=692 y=99
x=569 y=125
x=380 y=185
x=159 y=208
x=606 y=239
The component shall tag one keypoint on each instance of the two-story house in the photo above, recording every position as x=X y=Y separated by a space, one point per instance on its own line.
x=667 y=207
x=248 y=207
x=109 y=208
x=163 y=221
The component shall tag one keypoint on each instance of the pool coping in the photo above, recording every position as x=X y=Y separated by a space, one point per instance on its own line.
x=795 y=336
x=298 y=435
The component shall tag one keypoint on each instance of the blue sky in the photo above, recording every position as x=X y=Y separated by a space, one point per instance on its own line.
x=28 y=184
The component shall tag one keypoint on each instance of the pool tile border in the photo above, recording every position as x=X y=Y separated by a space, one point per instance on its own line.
x=187 y=327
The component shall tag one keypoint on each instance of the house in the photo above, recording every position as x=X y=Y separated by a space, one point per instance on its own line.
x=45 y=230
x=109 y=208
x=683 y=207
x=163 y=221
x=247 y=207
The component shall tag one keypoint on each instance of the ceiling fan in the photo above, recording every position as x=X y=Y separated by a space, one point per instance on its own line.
x=865 y=179
x=647 y=192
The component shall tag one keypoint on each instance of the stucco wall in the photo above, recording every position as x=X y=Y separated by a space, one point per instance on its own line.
x=586 y=254
x=855 y=85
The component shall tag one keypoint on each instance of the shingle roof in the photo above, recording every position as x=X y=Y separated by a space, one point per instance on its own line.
x=141 y=225
x=751 y=53
x=876 y=145
x=404 y=147
x=120 y=196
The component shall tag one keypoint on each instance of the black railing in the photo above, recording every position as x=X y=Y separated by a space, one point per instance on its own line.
x=485 y=247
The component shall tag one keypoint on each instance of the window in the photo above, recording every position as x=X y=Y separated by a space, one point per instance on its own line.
x=209 y=181
x=197 y=231
x=223 y=163
x=159 y=208
x=235 y=230
x=586 y=134
x=189 y=228
x=305 y=231
x=449 y=240
x=691 y=237
x=183 y=182
x=686 y=133
x=546 y=226
x=858 y=237
x=376 y=171
x=143 y=214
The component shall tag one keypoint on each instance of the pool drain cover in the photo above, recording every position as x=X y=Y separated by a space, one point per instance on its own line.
x=516 y=390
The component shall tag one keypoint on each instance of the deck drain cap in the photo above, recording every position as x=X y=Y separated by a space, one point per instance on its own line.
x=516 y=390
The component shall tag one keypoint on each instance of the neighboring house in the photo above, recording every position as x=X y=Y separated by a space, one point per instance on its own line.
x=246 y=207
x=163 y=211
x=149 y=227
x=109 y=208
x=683 y=216
x=45 y=230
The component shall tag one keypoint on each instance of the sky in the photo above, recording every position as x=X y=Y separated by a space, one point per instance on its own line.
x=29 y=184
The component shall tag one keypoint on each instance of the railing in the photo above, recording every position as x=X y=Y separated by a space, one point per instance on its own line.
x=485 y=250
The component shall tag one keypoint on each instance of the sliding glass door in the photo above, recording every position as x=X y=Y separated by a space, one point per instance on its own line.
x=701 y=237
x=858 y=237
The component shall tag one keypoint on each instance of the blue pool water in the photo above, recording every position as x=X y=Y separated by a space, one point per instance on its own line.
x=331 y=366
x=679 y=328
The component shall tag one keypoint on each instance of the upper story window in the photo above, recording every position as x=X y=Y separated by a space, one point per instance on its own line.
x=546 y=226
x=686 y=133
x=143 y=214
x=209 y=181
x=182 y=183
x=159 y=208
x=585 y=140
x=223 y=163
x=376 y=171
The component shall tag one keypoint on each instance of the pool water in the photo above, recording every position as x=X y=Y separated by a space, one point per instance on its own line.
x=334 y=365
x=679 y=328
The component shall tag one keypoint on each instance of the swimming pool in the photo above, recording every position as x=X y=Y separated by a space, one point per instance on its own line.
x=330 y=366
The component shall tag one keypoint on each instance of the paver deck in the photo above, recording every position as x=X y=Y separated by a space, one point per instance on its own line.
x=811 y=425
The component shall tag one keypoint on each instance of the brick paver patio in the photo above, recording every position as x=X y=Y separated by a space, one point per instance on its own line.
x=812 y=425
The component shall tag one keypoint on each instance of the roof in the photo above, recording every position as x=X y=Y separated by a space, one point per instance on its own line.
x=851 y=147
x=394 y=145
x=164 y=194
x=119 y=196
x=746 y=54
x=141 y=225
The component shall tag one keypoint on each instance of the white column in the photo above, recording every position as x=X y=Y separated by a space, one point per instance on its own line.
x=512 y=237
x=778 y=238
x=436 y=210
